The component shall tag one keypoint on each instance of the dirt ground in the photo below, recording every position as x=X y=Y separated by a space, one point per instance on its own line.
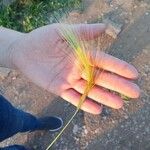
x=124 y=129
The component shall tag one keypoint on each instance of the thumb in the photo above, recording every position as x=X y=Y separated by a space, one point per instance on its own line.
x=89 y=31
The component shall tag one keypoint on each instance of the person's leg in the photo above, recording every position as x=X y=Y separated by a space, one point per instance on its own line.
x=13 y=120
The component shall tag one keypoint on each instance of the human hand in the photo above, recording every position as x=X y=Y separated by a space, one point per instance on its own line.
x=45 y=58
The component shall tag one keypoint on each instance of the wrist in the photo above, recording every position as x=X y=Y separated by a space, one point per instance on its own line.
x=8 y=38
x=10 y=53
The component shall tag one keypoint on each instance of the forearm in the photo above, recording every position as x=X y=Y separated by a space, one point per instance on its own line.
x=7 y=38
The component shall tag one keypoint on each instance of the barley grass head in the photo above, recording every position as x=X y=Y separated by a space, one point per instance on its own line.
x=82 y=56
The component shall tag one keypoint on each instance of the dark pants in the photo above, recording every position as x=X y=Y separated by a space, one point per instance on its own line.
x=13 y=120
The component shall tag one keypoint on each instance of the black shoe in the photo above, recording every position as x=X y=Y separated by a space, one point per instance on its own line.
x=51 y=123
x=14 y=147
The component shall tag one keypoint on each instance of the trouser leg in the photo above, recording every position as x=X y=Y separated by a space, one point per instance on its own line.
x=13 y=120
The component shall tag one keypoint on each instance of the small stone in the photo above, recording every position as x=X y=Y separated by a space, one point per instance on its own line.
x=85 y=131
x=146 y=13
x=137 y=137
x=76 y=139
x=14 y=78
x=111 y=5
x=126 y=117
x=113 y=121
x=4 y=72
x=75 y=129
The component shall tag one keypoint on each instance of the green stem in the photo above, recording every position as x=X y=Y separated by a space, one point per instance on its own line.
x=62 y=130
x=83 y=97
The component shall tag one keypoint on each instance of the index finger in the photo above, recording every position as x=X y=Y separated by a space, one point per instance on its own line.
x=115 y=65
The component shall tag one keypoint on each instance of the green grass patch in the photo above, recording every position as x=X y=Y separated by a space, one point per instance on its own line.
x=26 y=15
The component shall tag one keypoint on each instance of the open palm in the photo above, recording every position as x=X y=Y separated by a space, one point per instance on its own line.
x=46 y=59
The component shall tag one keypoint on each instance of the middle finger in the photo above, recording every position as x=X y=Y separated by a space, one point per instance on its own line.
x=100 y=95
x=117 y=83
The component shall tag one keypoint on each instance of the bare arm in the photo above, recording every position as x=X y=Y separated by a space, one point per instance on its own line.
x=7 y=38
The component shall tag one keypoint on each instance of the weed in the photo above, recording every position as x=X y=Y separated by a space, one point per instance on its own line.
x=26 y=15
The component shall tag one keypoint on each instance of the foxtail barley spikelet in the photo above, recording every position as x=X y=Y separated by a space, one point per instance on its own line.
x=80 y=52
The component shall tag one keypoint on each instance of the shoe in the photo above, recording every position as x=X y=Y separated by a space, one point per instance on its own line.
x=51 y=123
x=14 y=147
